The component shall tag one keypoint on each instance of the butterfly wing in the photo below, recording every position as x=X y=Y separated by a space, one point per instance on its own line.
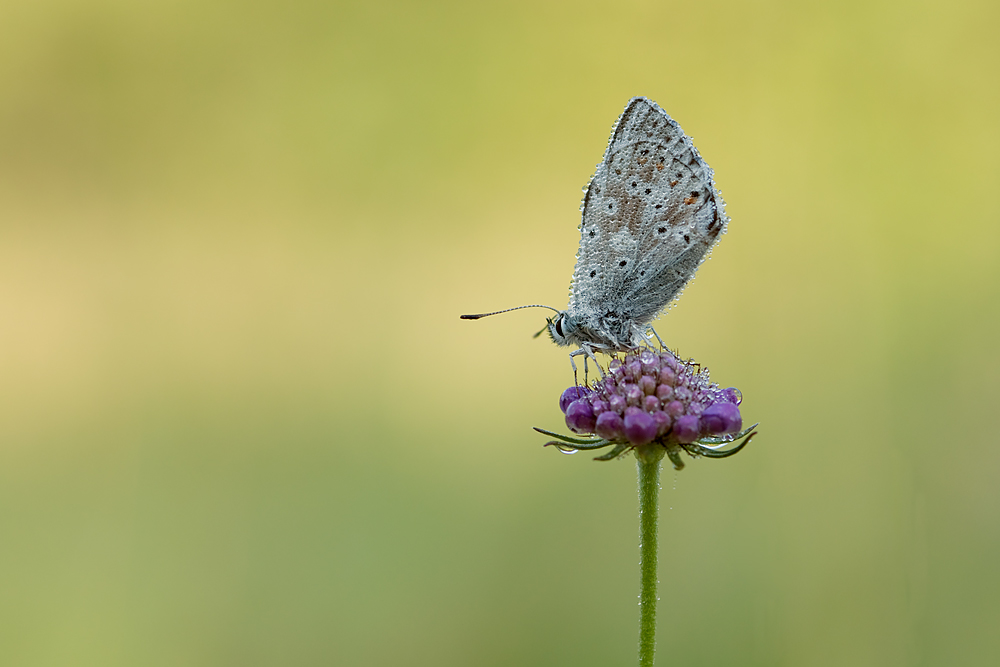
x=650 y=215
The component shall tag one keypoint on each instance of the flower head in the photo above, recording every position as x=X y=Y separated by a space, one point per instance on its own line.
x=653 y=398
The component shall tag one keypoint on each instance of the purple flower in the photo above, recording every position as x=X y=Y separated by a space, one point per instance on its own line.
x=655 y=398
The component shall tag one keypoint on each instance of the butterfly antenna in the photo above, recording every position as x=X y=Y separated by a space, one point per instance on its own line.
x=476 y=317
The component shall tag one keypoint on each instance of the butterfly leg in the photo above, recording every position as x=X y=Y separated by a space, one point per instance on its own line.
x=645 y=339
x=662 y=344
x=587 y=353
x=600 y=370
x=576 y=353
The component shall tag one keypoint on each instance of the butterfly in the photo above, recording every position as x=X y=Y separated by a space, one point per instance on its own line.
x=651 y=214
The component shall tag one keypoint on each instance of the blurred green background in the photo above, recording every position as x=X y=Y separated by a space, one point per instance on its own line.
x=242 y=424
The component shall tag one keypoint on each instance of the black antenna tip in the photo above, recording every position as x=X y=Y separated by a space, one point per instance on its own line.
x=478 y=315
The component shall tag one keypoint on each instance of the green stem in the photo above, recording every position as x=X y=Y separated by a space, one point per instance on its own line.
x=648 y=463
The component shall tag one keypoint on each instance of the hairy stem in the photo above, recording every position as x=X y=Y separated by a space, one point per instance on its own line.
x=648 y=464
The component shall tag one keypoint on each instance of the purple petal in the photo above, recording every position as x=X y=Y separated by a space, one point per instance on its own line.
x=640 y=428
x=572 y=394
x=633 y=394
x=580 y=417
x=667 y=376
x=674 y=408
x=610 y=426
x=663 y=422
x=721 y=418
x=664 y=392
x=686 y=429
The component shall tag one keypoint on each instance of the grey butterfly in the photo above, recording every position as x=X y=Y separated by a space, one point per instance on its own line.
x=651 y=214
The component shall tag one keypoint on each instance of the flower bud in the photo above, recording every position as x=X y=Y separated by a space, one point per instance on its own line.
x=721 y=419
x=686 y=429
x=571 y=395
x=640 y=428
x=663 y=422
x=580 y=417
x=609 y=426
x=674 y=409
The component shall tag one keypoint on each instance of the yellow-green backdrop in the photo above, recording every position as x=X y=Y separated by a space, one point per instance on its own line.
x=242 y=424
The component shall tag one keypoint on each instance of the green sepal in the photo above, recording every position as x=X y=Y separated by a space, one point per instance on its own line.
x=574 y=441
x=566 y=446
x=713 y=440
x=715 y=453
x=675 y=458
x=619 y=449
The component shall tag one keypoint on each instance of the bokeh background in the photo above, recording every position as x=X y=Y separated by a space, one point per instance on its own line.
x=242 y=424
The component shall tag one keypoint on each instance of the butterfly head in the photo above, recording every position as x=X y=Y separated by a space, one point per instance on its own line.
x=562 y=328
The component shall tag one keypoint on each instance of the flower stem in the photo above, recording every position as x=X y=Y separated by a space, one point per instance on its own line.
x=648 y=464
